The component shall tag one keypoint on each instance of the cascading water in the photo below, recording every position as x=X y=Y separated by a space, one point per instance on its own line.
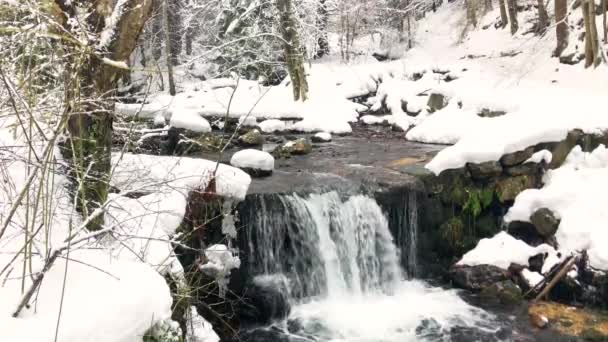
x=344 y=268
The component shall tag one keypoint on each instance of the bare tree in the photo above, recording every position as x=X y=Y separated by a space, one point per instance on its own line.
x=543 y=17
x=91 y=78
x=293 y=51
x=504 y=20
x=512 y=8
x=592 y=56
x=561 y=27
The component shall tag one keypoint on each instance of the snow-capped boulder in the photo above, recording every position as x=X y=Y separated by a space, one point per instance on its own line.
x=321 y=137
x=255 y=162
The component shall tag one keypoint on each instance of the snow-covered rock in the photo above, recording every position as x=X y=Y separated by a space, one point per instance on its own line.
x=272 y=125
x=502 y=250
x=255 y=162
x=321 y=137
x=371 y=120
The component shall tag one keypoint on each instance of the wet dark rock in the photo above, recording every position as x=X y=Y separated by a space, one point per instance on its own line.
x=265 y=300
x=517 y=157
x=523 y=169
x=489 y=113
x=484 y=170
x=437 y=102
x=526 y=232
x=251 y=138
x=536 y=262
x=501 y=293
x=476 y=278
x=508 y=188
x=298 y=146
x=468 y=334
x=545 y=222
x=429 y=330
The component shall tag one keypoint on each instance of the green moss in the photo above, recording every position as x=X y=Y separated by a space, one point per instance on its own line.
x=452 y=232
x=508 y=188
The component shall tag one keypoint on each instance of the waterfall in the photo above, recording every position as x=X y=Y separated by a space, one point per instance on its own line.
x=324 y=244
x=344 y=268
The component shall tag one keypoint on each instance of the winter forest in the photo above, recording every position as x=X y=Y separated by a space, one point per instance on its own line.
x=303 y=170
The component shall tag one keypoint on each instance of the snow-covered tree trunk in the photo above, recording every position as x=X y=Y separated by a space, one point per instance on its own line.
x=91 y=78
x=561 y=27
x=294 y=56
x=512 y=7
x=604 y=22
x=322 y=41
x=504 y=20
x=592 y=56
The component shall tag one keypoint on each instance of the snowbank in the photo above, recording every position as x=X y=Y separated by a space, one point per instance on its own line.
x=576 y=193
x=502 y=250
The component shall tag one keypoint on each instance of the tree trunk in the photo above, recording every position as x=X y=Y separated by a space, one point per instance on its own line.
x=592 y=56
x=604 y=22
x=512 y=7
x=561 y=27
x=471 y=12
x=174 y=28
x=543 y=17
x=504 y=20
x=168 y=50
x=90 y=84
x=322 y=41
x=293 y=51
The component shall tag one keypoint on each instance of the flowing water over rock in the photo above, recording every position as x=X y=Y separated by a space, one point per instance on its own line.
x=345 y=272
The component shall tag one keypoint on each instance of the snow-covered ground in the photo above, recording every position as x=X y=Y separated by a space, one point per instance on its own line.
x=98 y=289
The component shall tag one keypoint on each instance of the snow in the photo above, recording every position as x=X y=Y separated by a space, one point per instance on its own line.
x=323 y=136
x=532 y=278
x=248 y=121
x=220 y=260
x=576 y=193
x=253 y=159
x=93 y=294
x=114 y=289
x=501 y=250
x=540 y=156
x=272 y=125
x=371 y=120
x=201 y=330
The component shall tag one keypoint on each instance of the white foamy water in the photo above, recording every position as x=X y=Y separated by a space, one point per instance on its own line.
x=380 y=317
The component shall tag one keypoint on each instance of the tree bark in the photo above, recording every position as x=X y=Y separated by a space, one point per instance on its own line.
x=90 y=84
x=561 y=28
x=293 y=51
x=504 y=20
x=512 y=7
x=168 y=48
x=592 y=56
x=543 y=17
x=322 y=41
x=604 y=21
x=471 y=12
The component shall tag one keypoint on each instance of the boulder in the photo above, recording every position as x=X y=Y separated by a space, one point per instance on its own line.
x=501 y=293
x=265 y=300
x=298 y=146
x=251 y=138
x=517 y=157
x=484 y=170
x=545 y=222
x=489 y=113
x=255 y=162
x=321 y=137
x=529 y=169
x=476 y=278
x=508 y=188
x=437 y=102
